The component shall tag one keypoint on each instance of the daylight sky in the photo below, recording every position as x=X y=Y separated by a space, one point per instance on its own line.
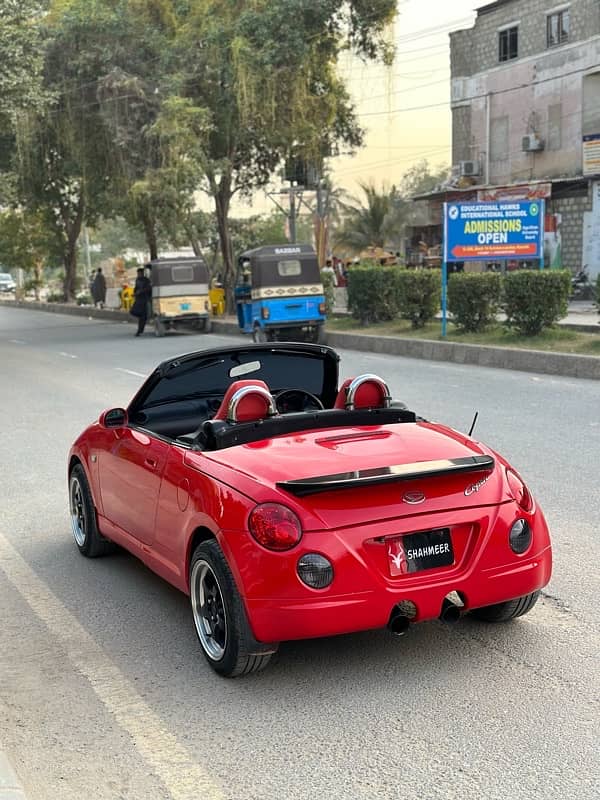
x=398 y=137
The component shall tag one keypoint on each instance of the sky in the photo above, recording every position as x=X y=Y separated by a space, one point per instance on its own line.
x=397 y=137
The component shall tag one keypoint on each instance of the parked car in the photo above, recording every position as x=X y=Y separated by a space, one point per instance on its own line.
x=7 y=283
x=289 y=506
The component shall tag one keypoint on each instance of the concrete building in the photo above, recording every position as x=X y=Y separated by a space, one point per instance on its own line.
x=525 y=97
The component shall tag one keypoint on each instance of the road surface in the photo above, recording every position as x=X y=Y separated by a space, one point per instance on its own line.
x=104 y=693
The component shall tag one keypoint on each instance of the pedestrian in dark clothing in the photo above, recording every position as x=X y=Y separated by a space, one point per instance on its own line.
x=98 y=288
x=142 y=293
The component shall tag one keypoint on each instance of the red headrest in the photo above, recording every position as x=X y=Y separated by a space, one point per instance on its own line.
x=371 y=392
x=252 y=406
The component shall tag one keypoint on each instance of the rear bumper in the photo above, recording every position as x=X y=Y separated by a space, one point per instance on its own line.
x=274 y=620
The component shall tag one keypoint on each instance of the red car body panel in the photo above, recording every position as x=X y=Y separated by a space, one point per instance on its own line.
x=154 y=496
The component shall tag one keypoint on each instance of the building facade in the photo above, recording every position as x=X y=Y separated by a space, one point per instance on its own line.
x=525 y=98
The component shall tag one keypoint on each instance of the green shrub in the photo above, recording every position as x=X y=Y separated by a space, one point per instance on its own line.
x=373 y=293
x=474 y=299
x=419 y=293
x=55 y=297
x=328 y=281
x=84 y=300
x=535 y=299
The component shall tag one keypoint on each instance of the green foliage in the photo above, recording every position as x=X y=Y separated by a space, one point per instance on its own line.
x=365 y=225
x=380 y=220
x=328 y=281
x=419 y=294
x=373 y=293
x=535 y=299
x=84 y=300
x=21 y=56
x=55 y=297
x=474 y=299
x=598 y=294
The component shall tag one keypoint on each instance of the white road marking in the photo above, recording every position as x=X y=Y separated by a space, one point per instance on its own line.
x=183 y=778
x=68 y=355
x=17 y=341
x=130 y=372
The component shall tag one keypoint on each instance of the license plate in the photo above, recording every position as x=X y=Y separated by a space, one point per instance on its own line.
x=418 y=551
x=185 y=306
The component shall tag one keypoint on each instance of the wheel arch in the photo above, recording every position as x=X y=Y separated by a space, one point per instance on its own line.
x=199 y=535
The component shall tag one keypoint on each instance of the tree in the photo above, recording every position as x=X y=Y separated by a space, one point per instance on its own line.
x=26 y=243
x=366 y=224
x=266 y=73
x=381 y=221
x=64 y=161
x=21 y=56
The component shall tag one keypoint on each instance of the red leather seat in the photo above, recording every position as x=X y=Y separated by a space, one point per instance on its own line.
x=365 y=391
x=246 y=401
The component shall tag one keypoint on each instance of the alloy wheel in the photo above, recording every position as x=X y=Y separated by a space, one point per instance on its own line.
x=209 y=610
x=78 y=516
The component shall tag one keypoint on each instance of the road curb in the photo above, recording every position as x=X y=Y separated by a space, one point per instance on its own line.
x=547 y=363
x=10 y=786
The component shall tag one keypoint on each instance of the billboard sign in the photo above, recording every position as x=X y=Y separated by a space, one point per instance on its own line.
x=494 y=231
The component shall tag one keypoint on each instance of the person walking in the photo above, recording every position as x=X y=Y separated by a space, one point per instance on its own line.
x=142 y=292
x=98 y=288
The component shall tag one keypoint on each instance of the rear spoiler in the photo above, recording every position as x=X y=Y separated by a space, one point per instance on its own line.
x=400 y=472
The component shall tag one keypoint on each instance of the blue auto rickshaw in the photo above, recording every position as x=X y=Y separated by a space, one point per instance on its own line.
x=279 y=294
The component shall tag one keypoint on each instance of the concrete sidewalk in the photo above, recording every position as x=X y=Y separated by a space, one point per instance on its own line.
x=10 y=786
x=582 y=317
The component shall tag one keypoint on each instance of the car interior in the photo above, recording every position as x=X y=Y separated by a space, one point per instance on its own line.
x=218 y=400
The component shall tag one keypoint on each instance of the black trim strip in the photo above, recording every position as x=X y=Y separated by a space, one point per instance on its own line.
x=398 y=472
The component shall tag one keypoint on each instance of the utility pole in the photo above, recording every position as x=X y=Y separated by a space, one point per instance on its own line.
x=292 y=215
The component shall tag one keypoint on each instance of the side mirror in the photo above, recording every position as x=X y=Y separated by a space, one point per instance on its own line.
x=113 y=418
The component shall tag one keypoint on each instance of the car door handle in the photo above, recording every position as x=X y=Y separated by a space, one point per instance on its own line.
x=151 y=462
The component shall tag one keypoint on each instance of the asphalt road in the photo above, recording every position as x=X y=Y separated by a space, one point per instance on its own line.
x=104 y=693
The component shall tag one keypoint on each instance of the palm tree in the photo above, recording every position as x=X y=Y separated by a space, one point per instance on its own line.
x=370 y=224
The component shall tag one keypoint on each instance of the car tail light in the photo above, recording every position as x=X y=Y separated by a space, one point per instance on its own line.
x=519 y=491
x=265 y=313
x=322 y=308
x=275 y=527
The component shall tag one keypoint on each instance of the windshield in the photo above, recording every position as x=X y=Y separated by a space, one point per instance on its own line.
x=211 y=376
x=4 y=276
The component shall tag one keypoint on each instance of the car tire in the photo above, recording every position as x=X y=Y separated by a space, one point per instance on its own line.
x=504 y=612
x=220 y=617
x=159 y=327
x=88 y=538
x=207 y=325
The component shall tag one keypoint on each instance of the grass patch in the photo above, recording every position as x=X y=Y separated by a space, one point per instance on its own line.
x=557 y=340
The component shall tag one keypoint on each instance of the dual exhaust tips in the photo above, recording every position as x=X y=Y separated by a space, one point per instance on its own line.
x=399 y=623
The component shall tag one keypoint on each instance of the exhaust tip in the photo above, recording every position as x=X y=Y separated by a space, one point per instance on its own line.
x=450 y=612
x=398 y=624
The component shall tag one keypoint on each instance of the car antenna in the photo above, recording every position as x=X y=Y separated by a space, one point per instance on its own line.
x=473 y=423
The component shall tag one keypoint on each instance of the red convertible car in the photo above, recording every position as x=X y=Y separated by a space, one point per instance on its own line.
x=288 y=506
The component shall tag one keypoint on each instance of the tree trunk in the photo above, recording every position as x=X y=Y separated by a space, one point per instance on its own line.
x=72 y=228
x=222 y=194
x=150 y=230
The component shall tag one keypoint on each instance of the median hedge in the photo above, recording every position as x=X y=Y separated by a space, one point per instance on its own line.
x=328 y=281
x=419 y=295
x=474 y=299
x=535 y=299
x=373 y=293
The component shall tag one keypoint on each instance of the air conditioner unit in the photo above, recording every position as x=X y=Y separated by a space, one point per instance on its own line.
x=469 y=169
x=531 y=143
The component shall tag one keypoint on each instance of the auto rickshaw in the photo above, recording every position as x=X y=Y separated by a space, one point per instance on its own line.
x=180 y=294
x=279 y=295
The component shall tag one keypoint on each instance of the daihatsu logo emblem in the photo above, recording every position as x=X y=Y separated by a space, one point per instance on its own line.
x=413 y=498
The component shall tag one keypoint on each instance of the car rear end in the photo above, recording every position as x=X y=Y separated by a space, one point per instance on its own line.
x=359 y=549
